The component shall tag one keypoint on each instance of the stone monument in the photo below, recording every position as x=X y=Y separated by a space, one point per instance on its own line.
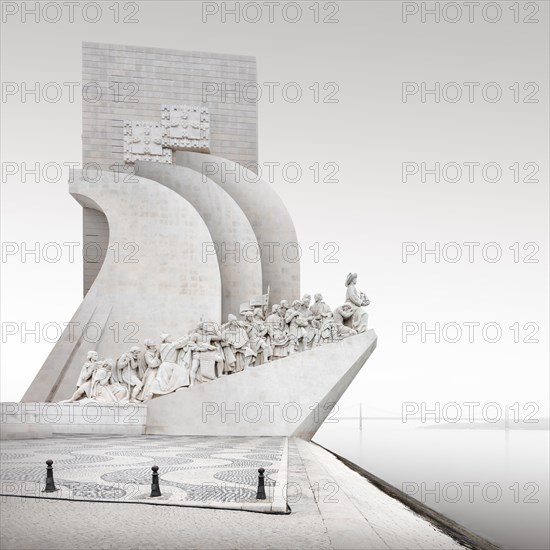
x=248 y=355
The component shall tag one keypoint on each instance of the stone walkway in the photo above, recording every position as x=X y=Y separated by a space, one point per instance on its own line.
x=332 y=507
x=358 y=515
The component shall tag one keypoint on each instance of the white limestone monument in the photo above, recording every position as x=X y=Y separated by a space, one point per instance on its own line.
x=176 y=321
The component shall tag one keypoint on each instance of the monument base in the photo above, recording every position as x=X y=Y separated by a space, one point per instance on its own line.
x=289 y=397
x=39 y=420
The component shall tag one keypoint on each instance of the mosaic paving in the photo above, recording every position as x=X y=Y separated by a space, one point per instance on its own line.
x=194 y=470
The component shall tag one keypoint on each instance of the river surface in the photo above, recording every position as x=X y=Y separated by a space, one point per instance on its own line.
x=491 y=480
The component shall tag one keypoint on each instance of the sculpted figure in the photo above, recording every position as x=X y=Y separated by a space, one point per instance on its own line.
x=119 y=391
x=84 y=382
x=238 y=353
x=357 y=300
x=126 y=372
x=277 y=335
x=175 y=365
x=319 y=307
x=328 y=331
x=283 y=308
x=257 y=337
x=258 y=314
x=305 y=312
x=208 y=358
x=341 y=315
x=296 y=326
x=103 y=390
x=149 y=368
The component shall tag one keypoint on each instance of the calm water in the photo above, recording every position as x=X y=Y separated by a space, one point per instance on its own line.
x=492 y=481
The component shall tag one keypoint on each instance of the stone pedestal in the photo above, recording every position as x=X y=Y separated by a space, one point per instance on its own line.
x=37 y=420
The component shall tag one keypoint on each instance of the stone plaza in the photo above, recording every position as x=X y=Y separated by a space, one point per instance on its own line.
x=331 y=506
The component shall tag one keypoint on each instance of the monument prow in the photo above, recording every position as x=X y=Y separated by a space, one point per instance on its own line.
x=292 y=396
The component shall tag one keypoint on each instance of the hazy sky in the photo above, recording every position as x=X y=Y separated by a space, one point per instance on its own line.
x=362 y=124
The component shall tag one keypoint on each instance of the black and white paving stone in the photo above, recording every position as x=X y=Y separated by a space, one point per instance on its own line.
x=207 y=471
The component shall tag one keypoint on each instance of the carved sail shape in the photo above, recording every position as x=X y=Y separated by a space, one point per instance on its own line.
x=266 y=213
x=152 y=279
x=232 y=234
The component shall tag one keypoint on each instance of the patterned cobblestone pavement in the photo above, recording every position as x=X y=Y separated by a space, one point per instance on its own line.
x=193 y=470
x=332 y=507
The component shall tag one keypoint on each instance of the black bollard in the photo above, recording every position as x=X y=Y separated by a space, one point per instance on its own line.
x=50 y=485
x=260 y=495
x=155 y=487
